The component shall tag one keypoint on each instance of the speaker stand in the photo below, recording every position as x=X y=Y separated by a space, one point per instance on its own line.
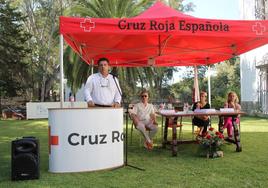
x=126 y=132
x=126 y=145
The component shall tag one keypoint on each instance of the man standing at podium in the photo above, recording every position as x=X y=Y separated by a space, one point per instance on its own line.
x=102 y=89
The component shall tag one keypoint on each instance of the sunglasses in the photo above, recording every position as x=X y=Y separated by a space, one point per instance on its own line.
x=144 y=96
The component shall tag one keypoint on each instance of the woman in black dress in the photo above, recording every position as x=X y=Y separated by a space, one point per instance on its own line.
x=201 y=121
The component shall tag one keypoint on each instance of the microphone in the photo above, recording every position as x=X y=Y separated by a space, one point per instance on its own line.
x=117 y=85
x=113 y=74
x=115 y=77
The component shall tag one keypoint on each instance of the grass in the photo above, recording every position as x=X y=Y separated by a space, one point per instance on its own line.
x=248 y=168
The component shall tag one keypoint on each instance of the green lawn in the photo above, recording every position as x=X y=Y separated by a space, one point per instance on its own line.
x=248 y=168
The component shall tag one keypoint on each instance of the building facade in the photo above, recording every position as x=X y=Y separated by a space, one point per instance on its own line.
x=254 y=64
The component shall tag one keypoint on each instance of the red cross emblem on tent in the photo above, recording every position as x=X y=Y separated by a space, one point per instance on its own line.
x=258 y=28
x=87 y=25
x=53 y=140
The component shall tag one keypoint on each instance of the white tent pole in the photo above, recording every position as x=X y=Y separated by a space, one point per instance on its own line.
x=209 y=89
x=61 y=73
x=196 y=85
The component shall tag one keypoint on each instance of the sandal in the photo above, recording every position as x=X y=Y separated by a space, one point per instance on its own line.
x=148 y=145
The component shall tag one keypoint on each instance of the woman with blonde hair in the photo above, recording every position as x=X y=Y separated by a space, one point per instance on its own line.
x=232 y=102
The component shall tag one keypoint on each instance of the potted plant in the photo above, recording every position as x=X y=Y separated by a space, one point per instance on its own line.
x=211 y=142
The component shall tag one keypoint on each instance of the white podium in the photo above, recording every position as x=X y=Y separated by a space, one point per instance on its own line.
x=85 y=139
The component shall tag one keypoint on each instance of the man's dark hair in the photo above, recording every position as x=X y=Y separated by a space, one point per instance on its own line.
x=103 y=59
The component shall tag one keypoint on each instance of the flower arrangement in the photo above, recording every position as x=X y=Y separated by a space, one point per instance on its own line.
x=212 y=141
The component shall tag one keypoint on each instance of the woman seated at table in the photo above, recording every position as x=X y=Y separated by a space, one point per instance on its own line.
x=201 y=121
x=232 y=102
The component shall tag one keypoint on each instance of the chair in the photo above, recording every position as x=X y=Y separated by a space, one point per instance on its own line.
x=239 y=128
x=173 y=121
x=141 y=137
x=130 y=107
x=197 y=132
x=131 y=131
x=237 y=124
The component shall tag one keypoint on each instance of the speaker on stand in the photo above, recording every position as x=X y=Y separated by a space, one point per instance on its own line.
x=25 y=159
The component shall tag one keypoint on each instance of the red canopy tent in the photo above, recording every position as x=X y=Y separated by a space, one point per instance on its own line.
x=161 y=36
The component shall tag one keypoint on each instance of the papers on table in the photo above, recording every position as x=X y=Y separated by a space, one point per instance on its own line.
x=204 y=110
x=199 y=112
x=227 y=110
x=167 y=111
x=170 y=112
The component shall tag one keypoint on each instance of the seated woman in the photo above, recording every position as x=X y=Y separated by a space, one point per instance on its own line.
x=201 y=121
x=143 y=116
x=232 y=102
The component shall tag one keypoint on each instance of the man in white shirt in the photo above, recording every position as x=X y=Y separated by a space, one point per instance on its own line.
x=143 y=116
x=102 y=89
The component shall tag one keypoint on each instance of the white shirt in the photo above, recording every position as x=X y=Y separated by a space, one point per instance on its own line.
x=102 y=90
x=143 y=112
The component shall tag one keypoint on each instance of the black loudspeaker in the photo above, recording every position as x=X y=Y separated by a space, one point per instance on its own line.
x=25 y=159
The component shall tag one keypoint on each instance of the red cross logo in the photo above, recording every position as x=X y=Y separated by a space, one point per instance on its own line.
x=52 y=140
x=87 y=25
x=258 y=28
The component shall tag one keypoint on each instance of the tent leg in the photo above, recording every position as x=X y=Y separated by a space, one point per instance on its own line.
x=209 y=88
x=61 y=73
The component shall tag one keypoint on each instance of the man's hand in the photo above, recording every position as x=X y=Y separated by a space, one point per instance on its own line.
x=90 y=104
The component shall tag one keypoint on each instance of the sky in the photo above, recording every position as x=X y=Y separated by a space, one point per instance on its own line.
x=213 y=9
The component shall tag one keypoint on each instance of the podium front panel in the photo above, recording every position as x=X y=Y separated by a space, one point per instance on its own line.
x=85 y=139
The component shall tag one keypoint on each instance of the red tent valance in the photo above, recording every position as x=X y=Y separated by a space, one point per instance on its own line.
x=161 y=36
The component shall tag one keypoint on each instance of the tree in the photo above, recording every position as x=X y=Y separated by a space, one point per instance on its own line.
x=183 y=90
x=13 y=72
x=42 y=23
x=226 y=80
x=74 y=66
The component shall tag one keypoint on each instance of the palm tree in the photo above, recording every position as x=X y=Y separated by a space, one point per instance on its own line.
x=129 y=77
x=74 y=66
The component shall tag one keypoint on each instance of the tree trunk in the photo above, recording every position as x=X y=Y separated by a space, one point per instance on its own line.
x=43 y=88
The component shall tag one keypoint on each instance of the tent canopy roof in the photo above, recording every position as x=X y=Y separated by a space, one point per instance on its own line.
x=161 y=36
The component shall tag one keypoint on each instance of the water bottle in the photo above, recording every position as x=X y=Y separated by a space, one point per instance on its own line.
x=185 y=107
x=161 y=106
